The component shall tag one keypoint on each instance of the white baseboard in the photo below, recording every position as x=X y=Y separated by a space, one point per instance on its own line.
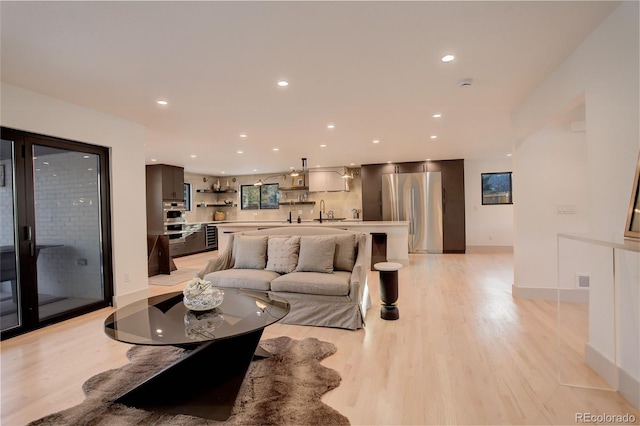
x=628 y=386
x=539 y=293
x=125 y=299
x=489 y=249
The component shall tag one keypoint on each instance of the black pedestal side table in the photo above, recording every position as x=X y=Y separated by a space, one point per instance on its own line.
x=388 y=289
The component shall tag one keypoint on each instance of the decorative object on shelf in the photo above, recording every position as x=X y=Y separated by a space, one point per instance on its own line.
x=219 y=216
x=216 y=186
x=356 y=213
x=202 y=324
x=199 y=295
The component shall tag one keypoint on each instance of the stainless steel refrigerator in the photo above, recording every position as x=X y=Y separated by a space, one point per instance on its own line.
x=417 y=198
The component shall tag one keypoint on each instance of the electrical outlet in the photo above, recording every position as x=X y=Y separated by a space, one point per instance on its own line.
x=126 y=277
x=582 y=280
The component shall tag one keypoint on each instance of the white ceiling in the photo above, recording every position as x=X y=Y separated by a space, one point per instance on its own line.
x=371 y=68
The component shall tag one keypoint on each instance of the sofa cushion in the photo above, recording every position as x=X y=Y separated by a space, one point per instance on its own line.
x=255 y=279
x=334 y=284
x=282 y=254
x=316 y=253
x=345 y=256
x=250 y=252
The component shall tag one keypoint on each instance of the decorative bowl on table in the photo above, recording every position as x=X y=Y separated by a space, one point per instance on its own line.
x=200 y=295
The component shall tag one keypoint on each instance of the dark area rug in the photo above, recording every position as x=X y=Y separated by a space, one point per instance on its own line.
x=282 y=390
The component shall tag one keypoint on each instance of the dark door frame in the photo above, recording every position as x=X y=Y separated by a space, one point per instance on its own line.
x=24 y=219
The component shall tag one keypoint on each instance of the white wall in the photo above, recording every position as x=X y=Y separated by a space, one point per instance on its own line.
x=603 y=73
x=488 y=225
x=29 y=111
x=551 y=171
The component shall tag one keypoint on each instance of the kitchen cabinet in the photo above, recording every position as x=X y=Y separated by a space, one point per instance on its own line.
x=371 y=175
x=453 y=206
x=196 y=242
x=453 y=220
x=172 y=182
x=157 y=193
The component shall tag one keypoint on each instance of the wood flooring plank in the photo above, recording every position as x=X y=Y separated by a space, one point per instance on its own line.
x=464 y=351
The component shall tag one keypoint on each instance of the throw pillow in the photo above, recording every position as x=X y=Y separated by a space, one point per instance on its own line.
x=250 y=252
x=345 y=256
x=316 y=253
x=282 y=254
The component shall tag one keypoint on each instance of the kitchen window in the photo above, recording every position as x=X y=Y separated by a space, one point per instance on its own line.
x=187 y=197
x=260 y=197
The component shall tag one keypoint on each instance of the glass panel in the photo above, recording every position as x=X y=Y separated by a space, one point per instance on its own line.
x=269 y=196
x=249 y=197
x=68 y=229
x=496 y=188
x=9 y=295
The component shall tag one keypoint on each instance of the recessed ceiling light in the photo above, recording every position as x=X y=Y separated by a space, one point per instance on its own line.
x=433 y=137
x=428 y=159
x=448 y=58
x=276 y=149
x=283 y=83
x=255 y=170
x=240 y=152
x=154 y=160
x=223 y=172
x=323 y=146
x=162 y=102
x=243 y=135
x=318 y=165
x=331 y=126
x=352 y=164
x=376 y=141
x=85 y=156
x=509 y=155
x=388 y=162
x=291 y=167
x=193 y=156
x=437 y=115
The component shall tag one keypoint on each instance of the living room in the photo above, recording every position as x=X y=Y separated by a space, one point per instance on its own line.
x=592 y=170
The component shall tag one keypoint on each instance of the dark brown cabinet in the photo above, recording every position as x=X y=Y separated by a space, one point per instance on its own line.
x=372 y=189
x=453 y=209
x=172 y=182
x=196 y=242
x=453 y=205
x=163 y=182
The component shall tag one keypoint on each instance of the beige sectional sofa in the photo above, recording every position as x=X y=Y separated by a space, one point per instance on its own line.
x=320 y=271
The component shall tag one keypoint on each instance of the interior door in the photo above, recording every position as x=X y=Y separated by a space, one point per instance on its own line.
x=60 y=231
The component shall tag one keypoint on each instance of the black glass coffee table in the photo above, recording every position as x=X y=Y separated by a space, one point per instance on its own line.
x=221 y=344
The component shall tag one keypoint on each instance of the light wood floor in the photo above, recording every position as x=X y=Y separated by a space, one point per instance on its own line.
x=463 y=352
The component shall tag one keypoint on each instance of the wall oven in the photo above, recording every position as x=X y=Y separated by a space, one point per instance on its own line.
x=174 y=221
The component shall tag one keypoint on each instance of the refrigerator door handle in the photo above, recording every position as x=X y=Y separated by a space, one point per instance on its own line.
x=413 y=209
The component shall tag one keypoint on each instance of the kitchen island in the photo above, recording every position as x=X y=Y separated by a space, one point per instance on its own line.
x=397 y=232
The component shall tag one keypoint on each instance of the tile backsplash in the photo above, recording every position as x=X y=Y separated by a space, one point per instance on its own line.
x=341 y=203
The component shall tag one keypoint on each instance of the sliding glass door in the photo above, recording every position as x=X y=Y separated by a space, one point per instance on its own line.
x=61 y=237
x=9 y=257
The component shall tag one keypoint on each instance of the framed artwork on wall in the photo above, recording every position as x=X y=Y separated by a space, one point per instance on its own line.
x=496 y=188
x=632 y=229
x=297 y=181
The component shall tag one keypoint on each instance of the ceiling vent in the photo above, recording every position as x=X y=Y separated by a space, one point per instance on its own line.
x=465 y=82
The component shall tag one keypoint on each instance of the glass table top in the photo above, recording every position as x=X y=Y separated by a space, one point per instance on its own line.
x=164 y=320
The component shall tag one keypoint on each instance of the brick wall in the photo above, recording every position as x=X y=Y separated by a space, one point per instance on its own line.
x=68 y=214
